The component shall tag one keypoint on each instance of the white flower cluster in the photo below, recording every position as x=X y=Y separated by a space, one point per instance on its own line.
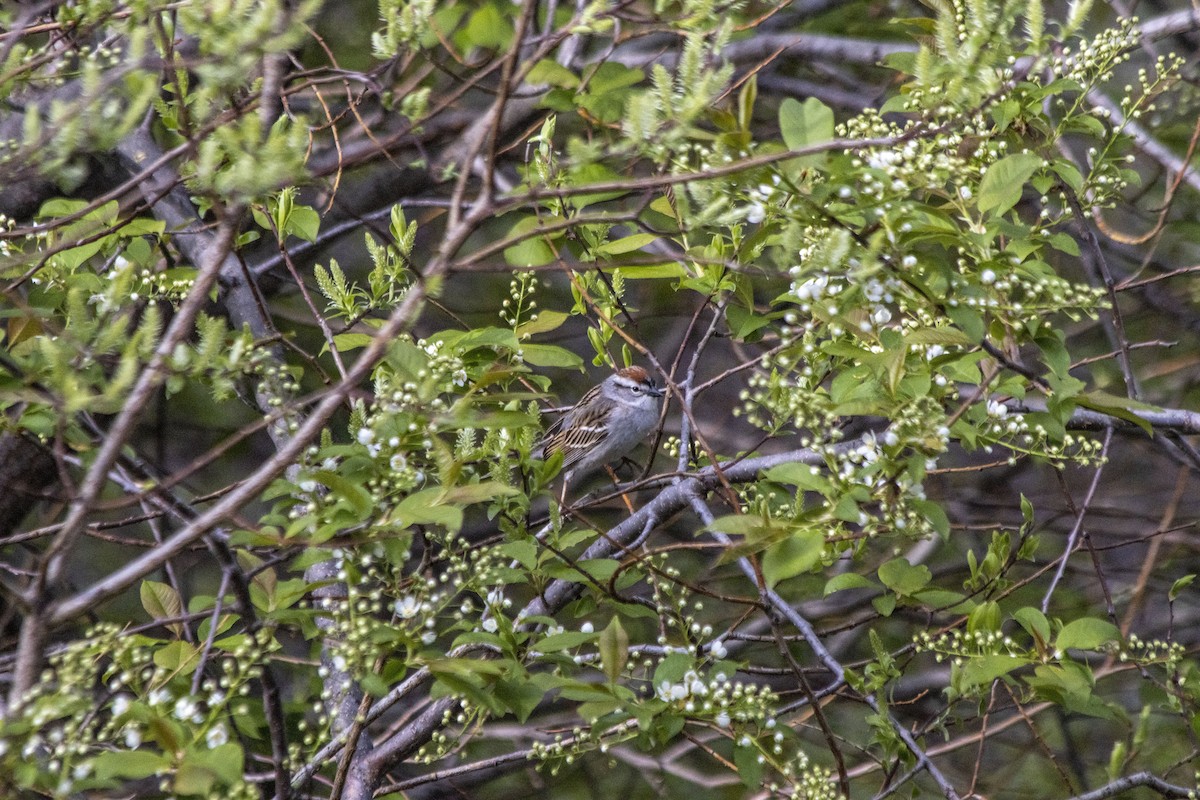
x=719 y=699
x=63 y=727
x=760 y=198
x=777 y=399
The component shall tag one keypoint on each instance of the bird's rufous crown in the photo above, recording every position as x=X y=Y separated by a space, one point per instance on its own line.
x=635 y=374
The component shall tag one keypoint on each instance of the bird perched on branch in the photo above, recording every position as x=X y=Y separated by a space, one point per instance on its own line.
x=605 y=424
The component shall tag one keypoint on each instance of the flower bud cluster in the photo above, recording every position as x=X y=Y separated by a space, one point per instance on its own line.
x=64 y=725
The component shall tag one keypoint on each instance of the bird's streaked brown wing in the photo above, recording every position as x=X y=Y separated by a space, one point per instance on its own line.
x=572 y=435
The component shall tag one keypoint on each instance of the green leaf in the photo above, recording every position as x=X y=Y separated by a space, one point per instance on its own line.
x=531 y=251
x=563 y=641
x=1064 y=243
x=346 y=342
x=176 y=656
x=1004 y=180
x=550 y=355
x=162 y=602
x=304 y=222
x=936 y=516
x=1069 y=173
x=626 y=245
x=472 y=493
x=968 y=319
x=984 y=618
x=804 y=124
x=942 y=336
x=422 y=508
x=589 y=173
x=638 y=272
x=201 y=770
x=1026 y=514
x=744 y=321
x=544 y=322
x=607 y=90
x=358 y=497
x=129 y=764
x=1054 y=351
x=521 y=695
x=1035 y=624
x=794 y=555
x=847 y=580
x=740 y=525
x=549 y=71
x=802 y=476
x=904 y=578
x=985 y=669
x=1117 y=406
x=945 y=600
x=1086 y=634
x=749 y=768
x=672 y=668
x=1069 y=684
x=611 y=75
x=614 y=650
x=1178 y=586
x=488 y=28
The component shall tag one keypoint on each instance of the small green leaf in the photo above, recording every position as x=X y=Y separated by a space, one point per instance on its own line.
x=804 y=124
x=1004 y=180
x=936 y=516
x=794 y=555
x=471 y=493
x=488 y=28
x=544 y=322
x=985 y=669
x=743 y=322
x=847 y=580
x=1086 y=634
x=563 y=641
x=750 y=769
x=162 y=602
x=176 y=656
x=904 y=578
x=1035 y=624
x=802 y=476
x=942 y=336
x=626 y=245
x=1064 y=243
x=1178 y=586
x=550 y=355
x=304 y=222
x=129 y=764
x=548 y=71
x=1026 y=513
x=641 y=272
x=1117 y=406
x=532 y=250
x=521 y=695
x=357 y=496
x=614 y=650
x=202 y=769
x=984 y=619
x=346 y=342
x=422 y=508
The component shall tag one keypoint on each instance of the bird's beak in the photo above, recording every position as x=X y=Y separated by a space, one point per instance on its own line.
x=656 y=392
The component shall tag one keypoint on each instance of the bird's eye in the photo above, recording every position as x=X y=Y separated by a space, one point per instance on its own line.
x=637 y=389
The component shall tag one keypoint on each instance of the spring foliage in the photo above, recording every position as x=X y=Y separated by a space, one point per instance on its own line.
x=898 y=309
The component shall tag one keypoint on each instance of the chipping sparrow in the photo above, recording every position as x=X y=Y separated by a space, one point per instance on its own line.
x=605 y=424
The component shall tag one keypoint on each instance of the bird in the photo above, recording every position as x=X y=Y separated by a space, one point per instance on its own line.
x=607 y=422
